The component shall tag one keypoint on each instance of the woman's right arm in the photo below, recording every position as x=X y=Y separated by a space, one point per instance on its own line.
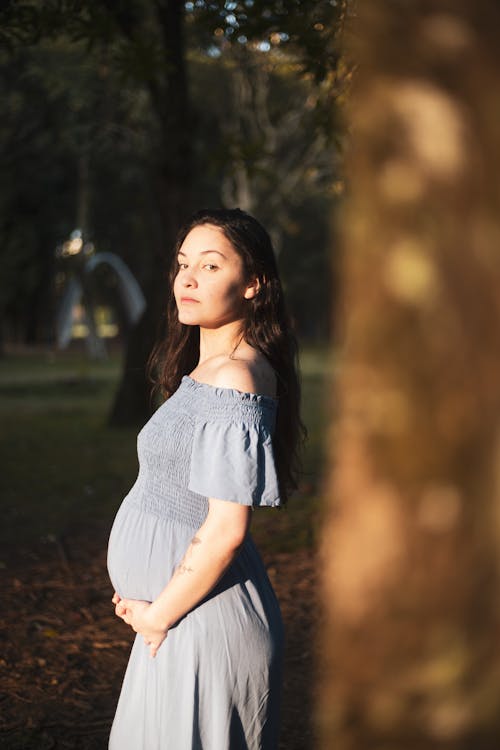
x=209 y=554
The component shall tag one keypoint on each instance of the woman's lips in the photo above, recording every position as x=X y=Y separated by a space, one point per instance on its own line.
x=188 y=300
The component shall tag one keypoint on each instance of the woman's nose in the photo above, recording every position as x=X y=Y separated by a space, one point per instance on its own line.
x=188 y=279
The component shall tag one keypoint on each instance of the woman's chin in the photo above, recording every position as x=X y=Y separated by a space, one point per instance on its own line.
x=187 y=319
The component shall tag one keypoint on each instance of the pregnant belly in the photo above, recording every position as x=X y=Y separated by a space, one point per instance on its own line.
x=143 y=551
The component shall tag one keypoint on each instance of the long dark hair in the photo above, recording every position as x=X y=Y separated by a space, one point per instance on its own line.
x=266 y=327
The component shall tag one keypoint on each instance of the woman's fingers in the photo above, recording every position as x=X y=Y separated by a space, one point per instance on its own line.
x=116 y=598
x=154 y=645
x=121 y=609
x=131 y=611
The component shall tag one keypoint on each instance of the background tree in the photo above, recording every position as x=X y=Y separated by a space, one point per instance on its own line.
x=269 y=156
x=410 y=548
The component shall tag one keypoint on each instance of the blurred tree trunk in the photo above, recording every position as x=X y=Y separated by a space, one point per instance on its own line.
x=410 y=552
x=172 y=185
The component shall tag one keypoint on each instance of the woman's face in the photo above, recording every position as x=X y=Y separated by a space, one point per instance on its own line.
x=210 y=287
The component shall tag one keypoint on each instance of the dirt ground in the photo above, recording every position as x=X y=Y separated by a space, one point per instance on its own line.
x=63 y=652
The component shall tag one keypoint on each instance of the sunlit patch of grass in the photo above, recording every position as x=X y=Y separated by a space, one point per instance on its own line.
x=50 y=367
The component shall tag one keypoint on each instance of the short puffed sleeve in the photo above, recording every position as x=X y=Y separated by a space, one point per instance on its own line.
x=233 y=460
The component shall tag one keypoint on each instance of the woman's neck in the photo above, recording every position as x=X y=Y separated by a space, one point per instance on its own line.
x=219 y=341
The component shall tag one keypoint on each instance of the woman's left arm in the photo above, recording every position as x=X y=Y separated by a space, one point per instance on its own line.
x=210 y=552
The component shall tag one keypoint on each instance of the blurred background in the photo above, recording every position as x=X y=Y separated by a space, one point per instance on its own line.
x=119 y=119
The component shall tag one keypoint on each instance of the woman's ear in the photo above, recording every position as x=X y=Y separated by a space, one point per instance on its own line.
x=252 y=289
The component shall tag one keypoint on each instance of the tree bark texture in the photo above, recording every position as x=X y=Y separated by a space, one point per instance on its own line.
x=172 y=178
x=409 y=651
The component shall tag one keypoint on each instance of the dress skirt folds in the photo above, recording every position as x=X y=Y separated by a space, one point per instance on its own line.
x=215 y=683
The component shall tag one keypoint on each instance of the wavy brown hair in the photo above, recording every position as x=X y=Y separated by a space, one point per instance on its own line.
x=266 y=327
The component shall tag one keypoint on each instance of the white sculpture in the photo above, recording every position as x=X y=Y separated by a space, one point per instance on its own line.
x=79 y=289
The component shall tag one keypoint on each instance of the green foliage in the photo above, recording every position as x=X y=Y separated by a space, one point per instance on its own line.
x=309 y=30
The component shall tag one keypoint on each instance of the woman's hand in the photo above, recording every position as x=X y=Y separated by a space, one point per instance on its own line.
x=139 y=616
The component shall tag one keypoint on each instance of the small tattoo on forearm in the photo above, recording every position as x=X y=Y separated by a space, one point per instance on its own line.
x=184 y=568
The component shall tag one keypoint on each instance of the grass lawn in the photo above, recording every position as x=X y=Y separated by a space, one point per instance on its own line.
x=64 y=470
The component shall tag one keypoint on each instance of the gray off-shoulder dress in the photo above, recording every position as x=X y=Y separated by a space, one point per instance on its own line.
x=215 y=683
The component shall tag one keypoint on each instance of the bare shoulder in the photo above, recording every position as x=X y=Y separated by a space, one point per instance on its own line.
x=252 y=374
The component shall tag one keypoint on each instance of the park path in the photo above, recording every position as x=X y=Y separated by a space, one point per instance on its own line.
x=63 y=653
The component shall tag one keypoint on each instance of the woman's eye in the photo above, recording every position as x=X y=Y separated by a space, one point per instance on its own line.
x=211 y=266
x=182 y=266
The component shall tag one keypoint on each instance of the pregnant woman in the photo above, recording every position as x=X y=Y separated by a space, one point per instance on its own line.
x=205 y=670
